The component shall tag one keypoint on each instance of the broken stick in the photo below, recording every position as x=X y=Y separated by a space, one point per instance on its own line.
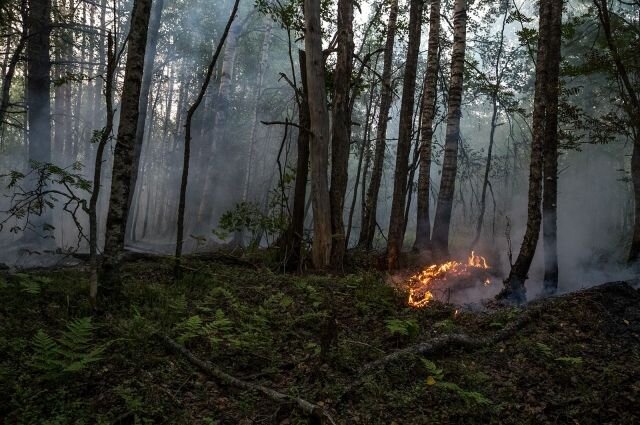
x=304 y=406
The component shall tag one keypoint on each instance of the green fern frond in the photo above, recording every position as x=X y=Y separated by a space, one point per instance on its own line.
x=72 y=352
x=189 y=328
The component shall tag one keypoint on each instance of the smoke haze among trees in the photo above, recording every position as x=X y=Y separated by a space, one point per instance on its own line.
x=452 y=128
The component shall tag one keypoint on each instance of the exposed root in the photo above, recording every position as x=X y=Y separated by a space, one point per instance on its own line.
x=304 y=406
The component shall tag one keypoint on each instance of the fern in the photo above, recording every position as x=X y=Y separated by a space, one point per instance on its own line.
x=435 y=377
x=218 y=328
x=178 y=304
x=432 y=369
x=72 y=352
x=408 y=328
x=45 y=355
x=31 y=284
x=189 y=328
x=469 y=397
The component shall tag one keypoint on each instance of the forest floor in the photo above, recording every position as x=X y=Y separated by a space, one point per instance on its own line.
x=576 y=361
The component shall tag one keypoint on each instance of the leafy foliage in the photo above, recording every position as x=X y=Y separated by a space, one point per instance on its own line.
x=248 y=216
x=39 y=190
x=408 y=327
x=72 y=352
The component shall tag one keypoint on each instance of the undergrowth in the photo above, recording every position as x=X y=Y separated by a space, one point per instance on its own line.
x=304 y=335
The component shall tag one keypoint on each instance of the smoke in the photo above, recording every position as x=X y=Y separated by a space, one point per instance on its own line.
x=235 y=158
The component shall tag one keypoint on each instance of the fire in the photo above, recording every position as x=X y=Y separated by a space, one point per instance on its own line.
x=421 y=284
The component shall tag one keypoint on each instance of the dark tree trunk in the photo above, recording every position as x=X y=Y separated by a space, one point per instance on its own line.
x=295 y=231
x=368 y=227
x=149 y=59
x=363 y=157
x=550 y=154
x=423 y=222
x=320 y=135
x=634 y=116
x=514 y=289
x=11 y=67
x=38 y=95
x=97 y=173
x=187 y=140
x=123 y=163
x=341 y=129
x=39 y=80
x=442 y=221
x=396 y=223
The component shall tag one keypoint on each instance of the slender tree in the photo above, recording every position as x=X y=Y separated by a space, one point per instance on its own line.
x=105 y=136
x=423 y=222
x=442 y=221
x=514 y=288
x=11 y=66
x=149 y=59
x=125 y=144
x=550 y=153
x=633 y=110
x=369 y=219
x=495 y=91
x=341 y=130
x=292 y=246
x=187 y=139
x=396 y=224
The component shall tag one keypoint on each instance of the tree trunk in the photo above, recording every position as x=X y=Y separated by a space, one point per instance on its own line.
x=97 y=173
x=550 y=154
x=11 y=68
x=494 y=125
x=634 y=116
x=319 y=140
x=396 y=223
x=187 y=140
x=423 y=222
x=442 y=221
x=123 y=163
x=295 y=231
x=149 y=59
x=363 y=157
x=38 y=96
x=38 y=80
x=368 y=226
x=514 y=289
x=341 y=131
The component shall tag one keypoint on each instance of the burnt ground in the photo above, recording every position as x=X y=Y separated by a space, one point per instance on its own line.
x=577 y=361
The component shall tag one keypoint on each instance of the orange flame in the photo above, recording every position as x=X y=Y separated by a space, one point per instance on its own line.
x=421 y=283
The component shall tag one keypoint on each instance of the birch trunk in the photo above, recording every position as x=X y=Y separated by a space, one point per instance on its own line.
x=396 y=222
x=514 y=284
x=123 y=163
x=442 y=220
x=423 y=221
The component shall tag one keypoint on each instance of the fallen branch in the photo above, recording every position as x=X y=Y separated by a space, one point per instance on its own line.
x=306 y=407
x=444 y=343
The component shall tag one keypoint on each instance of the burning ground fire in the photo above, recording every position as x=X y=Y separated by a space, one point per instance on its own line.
x=445 y=275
